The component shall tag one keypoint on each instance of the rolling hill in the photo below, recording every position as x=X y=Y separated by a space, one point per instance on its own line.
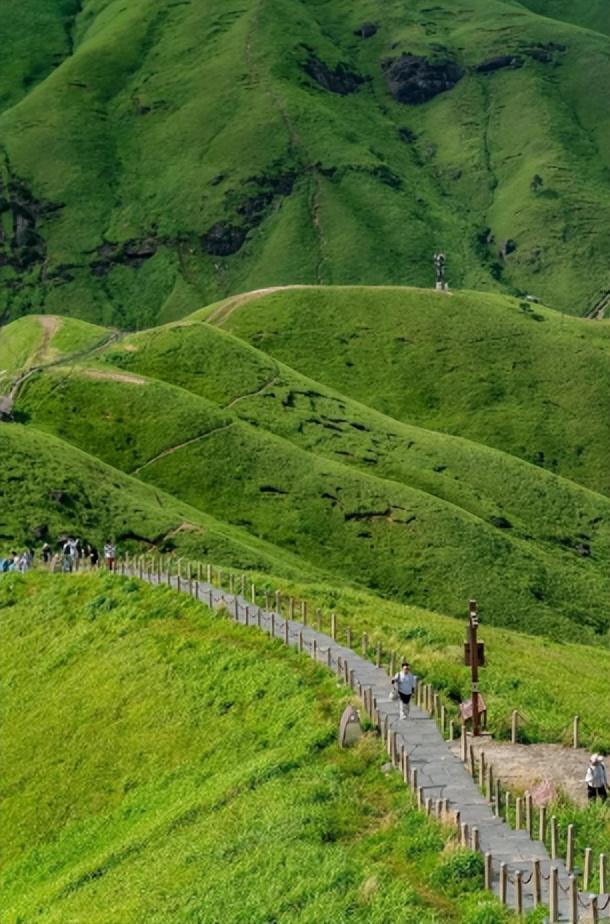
x=157 y=157
x=402 y=508
x=160 y=764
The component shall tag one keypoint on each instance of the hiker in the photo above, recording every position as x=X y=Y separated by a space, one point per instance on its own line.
x=405 y=684
x=109 y=555
x=45 y=553
x=93 y=556
x=66 y=561
x=596 y=779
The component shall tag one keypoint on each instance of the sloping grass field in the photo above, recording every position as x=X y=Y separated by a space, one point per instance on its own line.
x=162 y=764
x=126 y=198
x=394 y=503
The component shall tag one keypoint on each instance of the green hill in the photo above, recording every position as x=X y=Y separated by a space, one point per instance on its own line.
x=50 y=489
x=498 y=371
x=160 y=763
x=374 y=137
x=417 y=515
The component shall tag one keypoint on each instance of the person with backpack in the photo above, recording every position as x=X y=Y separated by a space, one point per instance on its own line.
x=596 y=779
x=405 y=683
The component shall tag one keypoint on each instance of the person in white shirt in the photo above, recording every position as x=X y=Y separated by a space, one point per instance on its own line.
x=405 y=684
x=596 y=778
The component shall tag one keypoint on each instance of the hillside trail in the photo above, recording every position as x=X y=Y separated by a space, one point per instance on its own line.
x=8 y=400
x=440 y=781
x=226 y=308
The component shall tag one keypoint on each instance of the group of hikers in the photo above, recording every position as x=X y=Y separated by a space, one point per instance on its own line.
x=71 y=554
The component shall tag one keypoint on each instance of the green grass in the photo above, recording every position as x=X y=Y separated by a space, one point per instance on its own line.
x=25 y=343
x=162 y=764
x=533 y=675
x=407 y=510
x=499 y=371
x=50 y=489
x=393 y=537
x=107 y=138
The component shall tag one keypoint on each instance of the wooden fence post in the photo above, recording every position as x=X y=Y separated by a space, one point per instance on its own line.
x=253 y=593
x=503 y=883
x=575 y=731
x=518 y=813
x=472 y=764
x=513 y=726
x=378 y=655
x=594 y=910
x=475 y=843
x=451 y=734
x=553 y=895
x=463 y=743
x=529 y=821
x=536 y=883
x=497 y=799
x=542 y=824
x=570 y=849
x=603 y=873
x=519 y=892
x=333 y=626
x=488 y=872
x=586 y=873
x=573 y=900
x=481 y=768
x=553 y=837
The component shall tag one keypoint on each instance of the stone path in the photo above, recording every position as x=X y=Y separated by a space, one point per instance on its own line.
x=441 y=774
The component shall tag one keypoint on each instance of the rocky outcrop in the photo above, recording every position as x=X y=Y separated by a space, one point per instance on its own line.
x=340 y=79
x=496 y=64
x=21 y=244
x=132 y=253
x=223 y=239
x=414 y=80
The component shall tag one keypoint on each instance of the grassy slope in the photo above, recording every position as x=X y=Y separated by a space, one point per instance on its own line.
x=590 y=14
x=57 y=489
x=161 y=764
x=498 y=371
x=389 y=535
x=120 y=137
x=533 y=675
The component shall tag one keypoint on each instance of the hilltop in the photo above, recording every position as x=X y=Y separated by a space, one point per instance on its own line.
x=161 y=763
x=299 y=450
x=342 y=143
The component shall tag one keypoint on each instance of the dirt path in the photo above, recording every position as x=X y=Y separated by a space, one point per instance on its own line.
x=227 y=307
x=172 y=449
x=112 y=376
x=522 y=766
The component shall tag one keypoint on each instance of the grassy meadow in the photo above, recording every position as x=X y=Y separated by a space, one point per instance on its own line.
x=139 y=205
x=393 y=503
x=163 y=764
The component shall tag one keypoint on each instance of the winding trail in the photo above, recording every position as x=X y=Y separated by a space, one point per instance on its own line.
x=441 y=781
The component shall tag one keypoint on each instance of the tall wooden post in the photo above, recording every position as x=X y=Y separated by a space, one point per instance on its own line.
x=474 y=665
x=553 y=895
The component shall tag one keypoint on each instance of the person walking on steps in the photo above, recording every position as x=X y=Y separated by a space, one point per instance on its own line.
x=405 y=684
x=596 y=779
